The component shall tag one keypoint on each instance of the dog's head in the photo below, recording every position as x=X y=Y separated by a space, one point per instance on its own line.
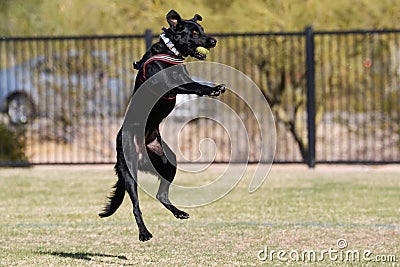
x=188 y=35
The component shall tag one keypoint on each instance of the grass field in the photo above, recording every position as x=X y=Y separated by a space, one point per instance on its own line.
x=49 y=218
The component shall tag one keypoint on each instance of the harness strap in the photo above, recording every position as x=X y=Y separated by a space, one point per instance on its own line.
x=160 y=57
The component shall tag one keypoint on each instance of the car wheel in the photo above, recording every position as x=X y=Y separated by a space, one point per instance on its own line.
x=20 y=109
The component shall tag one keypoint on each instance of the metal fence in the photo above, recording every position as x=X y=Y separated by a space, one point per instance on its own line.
x=358 y=95
x=334 y=95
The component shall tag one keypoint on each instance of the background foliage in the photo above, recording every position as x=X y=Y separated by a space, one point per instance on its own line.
x=75 y=17
x=12 y=145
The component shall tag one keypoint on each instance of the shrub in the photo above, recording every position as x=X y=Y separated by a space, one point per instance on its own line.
x=12 y=146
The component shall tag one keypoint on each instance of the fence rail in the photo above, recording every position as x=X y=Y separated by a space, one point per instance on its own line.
x=334 y=95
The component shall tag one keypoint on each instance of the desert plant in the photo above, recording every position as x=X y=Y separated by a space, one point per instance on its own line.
x=12 y=145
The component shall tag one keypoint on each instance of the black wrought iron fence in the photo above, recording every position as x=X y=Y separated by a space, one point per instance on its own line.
x=66 y=95
x=334 y=95
x=358 y=96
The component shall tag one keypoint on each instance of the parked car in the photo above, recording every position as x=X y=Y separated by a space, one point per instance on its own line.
x=49 y=86
x=16 y=89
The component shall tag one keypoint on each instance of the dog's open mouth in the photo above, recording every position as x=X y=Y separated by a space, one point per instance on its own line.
x=201 y=52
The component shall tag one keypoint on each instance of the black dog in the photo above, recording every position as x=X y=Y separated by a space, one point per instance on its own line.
x=148 y=151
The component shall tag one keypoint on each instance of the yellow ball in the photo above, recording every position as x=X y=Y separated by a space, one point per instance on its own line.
x=202 y=50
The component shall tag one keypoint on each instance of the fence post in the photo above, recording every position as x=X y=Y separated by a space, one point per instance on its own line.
x=310 y=81
x=148 y=38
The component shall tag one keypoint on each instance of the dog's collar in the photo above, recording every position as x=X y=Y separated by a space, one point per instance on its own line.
x=170 y=45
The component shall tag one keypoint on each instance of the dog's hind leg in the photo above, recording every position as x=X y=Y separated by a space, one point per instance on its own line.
x=131 y=187
x=162 y=196
x=129 y=175
x=164 y=164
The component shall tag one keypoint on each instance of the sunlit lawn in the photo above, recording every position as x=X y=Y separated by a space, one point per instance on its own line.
x=49 y=218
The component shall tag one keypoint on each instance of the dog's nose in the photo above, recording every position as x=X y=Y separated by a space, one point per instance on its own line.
x=212 y=41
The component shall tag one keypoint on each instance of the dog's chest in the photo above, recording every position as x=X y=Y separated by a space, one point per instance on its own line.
x=161 y=109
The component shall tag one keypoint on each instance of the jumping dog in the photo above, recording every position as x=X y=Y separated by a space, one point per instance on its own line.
x=147 y=151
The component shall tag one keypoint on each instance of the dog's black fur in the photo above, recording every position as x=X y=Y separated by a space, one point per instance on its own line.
x=186 y=36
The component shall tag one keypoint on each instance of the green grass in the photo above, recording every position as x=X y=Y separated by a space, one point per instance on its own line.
x=49 y=218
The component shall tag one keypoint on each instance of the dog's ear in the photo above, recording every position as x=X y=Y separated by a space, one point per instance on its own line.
x=197 y=17
x=173 y=19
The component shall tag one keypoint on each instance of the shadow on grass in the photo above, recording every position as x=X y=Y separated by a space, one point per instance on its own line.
x=97 y=257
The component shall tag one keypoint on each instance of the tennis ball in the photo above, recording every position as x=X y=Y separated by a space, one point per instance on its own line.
x=202 y=50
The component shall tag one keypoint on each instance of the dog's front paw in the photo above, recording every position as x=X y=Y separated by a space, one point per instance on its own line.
x=145 y=236
x=217 y=90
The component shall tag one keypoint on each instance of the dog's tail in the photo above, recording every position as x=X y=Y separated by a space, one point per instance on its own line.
x=115 y=199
